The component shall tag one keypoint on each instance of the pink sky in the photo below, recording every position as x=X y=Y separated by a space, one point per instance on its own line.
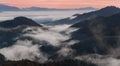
x=61 y=3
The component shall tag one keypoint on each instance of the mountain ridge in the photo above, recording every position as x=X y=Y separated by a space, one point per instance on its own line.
x=98 y=35
x=8 y=8
x=106 y=11
x=4 y=7
x=18 y=21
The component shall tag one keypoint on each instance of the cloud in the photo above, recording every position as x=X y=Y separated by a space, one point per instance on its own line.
x=65 y=52
x=59 y=28
x=100 y=60
x=23 y=50
x=54 y=35
x=31 y=48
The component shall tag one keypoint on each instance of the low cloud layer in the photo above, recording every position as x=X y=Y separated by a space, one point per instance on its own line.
x=23 y=50
x=100 y=60
x=52 y=36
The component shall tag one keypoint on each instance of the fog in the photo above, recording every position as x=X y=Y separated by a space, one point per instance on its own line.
x=51 y=38
x=41 y=16
x=48 y=36
x=100 y=60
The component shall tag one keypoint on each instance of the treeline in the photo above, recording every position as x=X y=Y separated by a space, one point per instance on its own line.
x=59 y=63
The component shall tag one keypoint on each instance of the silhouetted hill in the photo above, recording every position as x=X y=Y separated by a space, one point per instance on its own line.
x=99 y=35
x=18 y=21
x=107 y=11
x=8 y=8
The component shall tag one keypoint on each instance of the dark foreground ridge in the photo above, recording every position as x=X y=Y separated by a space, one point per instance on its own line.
x=59 y=63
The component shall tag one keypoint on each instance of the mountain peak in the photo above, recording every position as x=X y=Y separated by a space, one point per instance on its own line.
x=22 y=18
x=110 y=8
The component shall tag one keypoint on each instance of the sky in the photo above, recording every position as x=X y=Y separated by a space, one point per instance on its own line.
x=61 y=3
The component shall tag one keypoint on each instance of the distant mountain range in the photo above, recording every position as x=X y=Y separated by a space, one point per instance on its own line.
x=87 y=8
x=13 y=8
x=38 y=8
x=8 y=8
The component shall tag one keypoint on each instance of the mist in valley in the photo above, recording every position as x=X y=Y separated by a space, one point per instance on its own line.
x=50 y=43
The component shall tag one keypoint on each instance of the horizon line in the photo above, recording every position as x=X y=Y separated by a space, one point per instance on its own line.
x=56 y=8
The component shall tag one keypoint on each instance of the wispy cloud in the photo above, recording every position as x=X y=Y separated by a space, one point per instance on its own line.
x=31 y=49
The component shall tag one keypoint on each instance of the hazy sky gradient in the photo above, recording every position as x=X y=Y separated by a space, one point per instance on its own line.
x=61 y=3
